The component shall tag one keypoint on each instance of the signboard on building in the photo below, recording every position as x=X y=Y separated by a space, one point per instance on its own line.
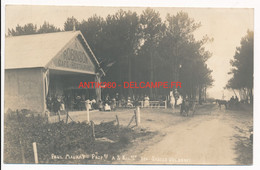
x=73 y=58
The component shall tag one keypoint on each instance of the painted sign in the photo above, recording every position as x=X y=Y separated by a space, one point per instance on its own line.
x=74 y=58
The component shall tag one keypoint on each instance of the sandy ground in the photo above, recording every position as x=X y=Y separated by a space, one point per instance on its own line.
x=212 y=136
x=203 y=140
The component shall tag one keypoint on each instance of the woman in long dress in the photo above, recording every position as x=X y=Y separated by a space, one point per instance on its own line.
x=146 y=101
x=172 y=99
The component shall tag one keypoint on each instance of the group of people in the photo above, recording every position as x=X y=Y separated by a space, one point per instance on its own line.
x=58 y=103
x=128 y=102
x=55 y=104
x=233 y=101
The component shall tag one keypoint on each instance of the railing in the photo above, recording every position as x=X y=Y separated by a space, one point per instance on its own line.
x=155 y=104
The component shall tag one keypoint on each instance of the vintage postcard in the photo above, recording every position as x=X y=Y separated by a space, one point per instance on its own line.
x=128 y=85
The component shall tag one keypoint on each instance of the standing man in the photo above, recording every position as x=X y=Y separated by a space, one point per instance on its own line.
x=57 y=106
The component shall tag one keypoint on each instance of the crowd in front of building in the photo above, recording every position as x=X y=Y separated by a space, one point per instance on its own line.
x=62 y=103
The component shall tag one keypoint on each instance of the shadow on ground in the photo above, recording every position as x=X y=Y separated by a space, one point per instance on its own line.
x=244 y=150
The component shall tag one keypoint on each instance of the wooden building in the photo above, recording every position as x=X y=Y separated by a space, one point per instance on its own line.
x=42 y=65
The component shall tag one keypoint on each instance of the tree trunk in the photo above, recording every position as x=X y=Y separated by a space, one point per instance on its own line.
x=129 y=75
x=205 y=94
x=151 y=74
x=120 y=77
x=200 y=91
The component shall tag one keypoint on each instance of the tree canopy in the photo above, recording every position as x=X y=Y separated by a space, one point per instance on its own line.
x=242 y=66
x=143 y=47
x=30 y=28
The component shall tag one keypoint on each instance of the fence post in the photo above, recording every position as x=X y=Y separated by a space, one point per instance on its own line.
x=117 y=121
x=93 y=130
x=35 y=152
x=138 y=119
x=67 y=116
x=20 y=136
x=22 y=151
x=87 y=111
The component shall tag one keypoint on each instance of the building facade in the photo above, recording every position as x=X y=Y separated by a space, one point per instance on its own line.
x=41 y=66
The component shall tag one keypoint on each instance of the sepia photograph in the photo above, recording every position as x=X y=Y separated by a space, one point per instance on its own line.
x=109 y=85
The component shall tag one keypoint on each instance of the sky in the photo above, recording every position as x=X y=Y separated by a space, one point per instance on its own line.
x=226 y=25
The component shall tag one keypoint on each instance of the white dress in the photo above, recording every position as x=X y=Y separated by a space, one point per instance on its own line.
x=88 y=104
x=107 y=107
x=172 y=101
x=146 y=102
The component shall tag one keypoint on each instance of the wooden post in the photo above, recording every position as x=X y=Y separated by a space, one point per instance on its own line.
x=93 y=130
x=131 y=120
x=35 y=152
x=20 y=136
x=59 y=115
x=67 y=116
x=117 y=120
x=22 y=152
x=88 y=120
x=138 y=119
x=47 y=115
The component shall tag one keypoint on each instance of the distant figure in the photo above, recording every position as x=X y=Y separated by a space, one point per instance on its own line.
x=88 y=104
x=100 y=105
x=136 y=101
x=56 y=107
x=49 y=103
x=172 y=100
x=107 y=99
x=236 y=99
x=146 y=101
x=113 y=104
x=117 y=99
x=185 y=107
x=78 y=103
x=93 y=104
x=107 y=107
x=129 y=102
x=62 y=105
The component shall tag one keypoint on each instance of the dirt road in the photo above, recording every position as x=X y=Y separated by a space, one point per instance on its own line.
x=212 y=136
x=199 y=141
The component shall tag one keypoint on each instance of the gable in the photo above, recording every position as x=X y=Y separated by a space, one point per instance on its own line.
x=73 y=57
x=37 y=50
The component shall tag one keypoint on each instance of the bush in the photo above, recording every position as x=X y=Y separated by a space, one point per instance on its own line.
x=57 y=138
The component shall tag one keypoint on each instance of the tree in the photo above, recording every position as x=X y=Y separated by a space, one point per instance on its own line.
x=133 y=47
x=186 y=55
x=71 y=23
x=47 y=28
x=30 y=28
x=121 y=39
x=151 y=32
x=92 y=29
x=23 y=30
x=242 y=71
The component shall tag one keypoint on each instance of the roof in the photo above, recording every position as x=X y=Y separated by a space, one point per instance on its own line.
x=37 y=50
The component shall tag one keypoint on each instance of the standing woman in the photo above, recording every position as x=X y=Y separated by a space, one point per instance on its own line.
x=146 y=101
x=172 y=99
